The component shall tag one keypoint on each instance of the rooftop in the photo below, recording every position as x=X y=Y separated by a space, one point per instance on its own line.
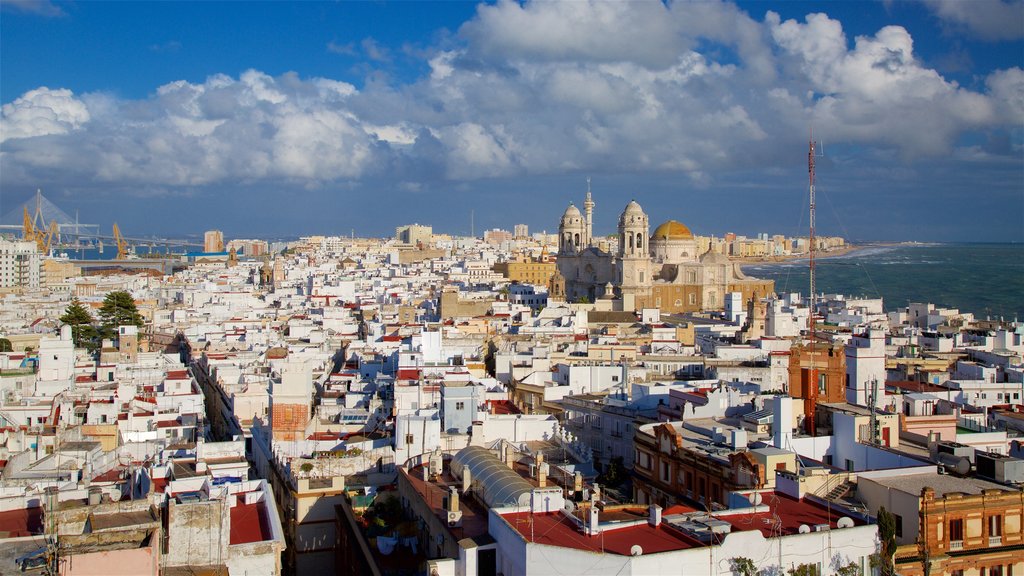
x=942 y=484
x=249 y=523
x=557 y=529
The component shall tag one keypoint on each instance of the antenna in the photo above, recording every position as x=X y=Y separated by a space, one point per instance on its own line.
x=472 y=225
x=813 y=385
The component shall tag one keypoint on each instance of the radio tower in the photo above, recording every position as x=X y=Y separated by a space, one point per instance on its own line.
x=813 y=387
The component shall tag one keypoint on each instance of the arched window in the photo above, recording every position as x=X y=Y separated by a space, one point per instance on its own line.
x=577 y=239
x=639 y=240
x=630 y=242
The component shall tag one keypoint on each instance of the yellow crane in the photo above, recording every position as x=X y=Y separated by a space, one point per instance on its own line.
x=122 y=244
x=40 y=233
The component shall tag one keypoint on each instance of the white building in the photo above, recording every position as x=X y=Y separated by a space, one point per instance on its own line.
x=19 y=264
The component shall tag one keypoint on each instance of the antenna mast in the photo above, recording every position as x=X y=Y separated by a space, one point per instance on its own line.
x=813 y=385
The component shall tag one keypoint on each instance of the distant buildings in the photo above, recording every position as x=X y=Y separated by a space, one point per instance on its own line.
x=414 y=234
x=661 y=270
x=20 y=263
x=213 y=241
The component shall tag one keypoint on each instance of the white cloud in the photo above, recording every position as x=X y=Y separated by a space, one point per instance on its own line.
x=986 y=19
x=41 y=112
x=532 y=89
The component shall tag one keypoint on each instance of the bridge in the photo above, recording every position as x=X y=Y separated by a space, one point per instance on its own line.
x=38 y=215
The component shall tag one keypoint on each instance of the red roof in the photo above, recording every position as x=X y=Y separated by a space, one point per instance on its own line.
x=791 y=512
x=408 y=374
x=249 y=523
x=23 y=522
x=177 y=375
x=555 y=529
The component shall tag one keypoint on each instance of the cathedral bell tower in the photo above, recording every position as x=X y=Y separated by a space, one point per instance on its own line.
x=633 y=255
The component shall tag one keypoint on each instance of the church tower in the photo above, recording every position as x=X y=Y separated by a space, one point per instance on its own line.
x=571 y=232
x=633 y=256
x=588 y=208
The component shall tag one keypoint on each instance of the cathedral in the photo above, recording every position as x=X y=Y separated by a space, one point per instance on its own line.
x=660 y=270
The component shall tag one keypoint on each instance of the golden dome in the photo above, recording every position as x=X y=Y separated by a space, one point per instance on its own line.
x=672 y=230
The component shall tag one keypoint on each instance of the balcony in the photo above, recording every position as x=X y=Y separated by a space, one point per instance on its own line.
x=956 y=545
x=995 y=541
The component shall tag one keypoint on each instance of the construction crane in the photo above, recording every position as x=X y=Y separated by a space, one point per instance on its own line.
x=122 y=244
x=36 y=230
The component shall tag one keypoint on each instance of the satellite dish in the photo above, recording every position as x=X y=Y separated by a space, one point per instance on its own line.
x=569 y=507
x=755 y=499
x=845 y=522
x=805 y=529
x=636 y=550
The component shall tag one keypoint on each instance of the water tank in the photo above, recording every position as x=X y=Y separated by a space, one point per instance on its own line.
x=958 y=464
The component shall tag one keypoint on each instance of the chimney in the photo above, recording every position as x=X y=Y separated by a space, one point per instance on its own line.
x=654 y=517
x=592 y=518
x=453 y=499
x=467 y=479
x=426 y=472
x=595 y=494
x=782 y=422
x=577 y=482
x=541 y=467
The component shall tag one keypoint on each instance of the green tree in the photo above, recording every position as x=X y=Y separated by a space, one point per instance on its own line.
x=887 y=532
x=118 y=309
x=81 y=321
x=5 y=345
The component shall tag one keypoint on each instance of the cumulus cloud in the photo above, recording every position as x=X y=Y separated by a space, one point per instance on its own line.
x=41 y=112
x=527 y=89
x=986 y=19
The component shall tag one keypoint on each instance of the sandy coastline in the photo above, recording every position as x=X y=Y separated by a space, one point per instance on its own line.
x=847 y=250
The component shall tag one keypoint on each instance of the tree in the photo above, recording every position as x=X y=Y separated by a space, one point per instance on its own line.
x=118 y=310
x=887 y=532
x=5 y=345
x=81 y=321
x=743 y=566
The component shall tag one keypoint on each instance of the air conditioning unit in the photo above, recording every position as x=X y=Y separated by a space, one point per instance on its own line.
x=454 y=519
x=821 y=527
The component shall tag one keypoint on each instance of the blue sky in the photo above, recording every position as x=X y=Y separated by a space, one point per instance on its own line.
x=275 y=119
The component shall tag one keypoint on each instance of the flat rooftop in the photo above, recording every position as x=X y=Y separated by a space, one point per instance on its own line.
x=941 y=483
x=556 y=529
x=784 y=516
x=249 y=523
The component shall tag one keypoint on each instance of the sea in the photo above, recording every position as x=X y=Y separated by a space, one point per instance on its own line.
x=986 y=279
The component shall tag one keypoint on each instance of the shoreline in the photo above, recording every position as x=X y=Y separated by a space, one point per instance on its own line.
x=845 y=251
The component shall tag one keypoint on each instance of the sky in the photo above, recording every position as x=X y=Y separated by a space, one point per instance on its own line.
x=282 y=119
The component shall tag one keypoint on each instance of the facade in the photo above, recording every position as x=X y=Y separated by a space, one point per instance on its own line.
x=661 y=270
x=963 y=526
x=415 y=234
x=213 y=241
x=19 y=264
x=527 y=271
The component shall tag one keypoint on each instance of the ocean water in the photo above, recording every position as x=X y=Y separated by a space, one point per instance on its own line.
x=986 y=279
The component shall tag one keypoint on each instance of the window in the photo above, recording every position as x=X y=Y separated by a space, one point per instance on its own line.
x=995 y=525
x=956 y=530
x=693 y=299
x=995 y=571
x=666 y=472
x=460 y=405
x=822 y=383
x=408 y=439
x=899 y=525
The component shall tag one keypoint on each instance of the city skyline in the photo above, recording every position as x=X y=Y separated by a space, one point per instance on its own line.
x=164 y=118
